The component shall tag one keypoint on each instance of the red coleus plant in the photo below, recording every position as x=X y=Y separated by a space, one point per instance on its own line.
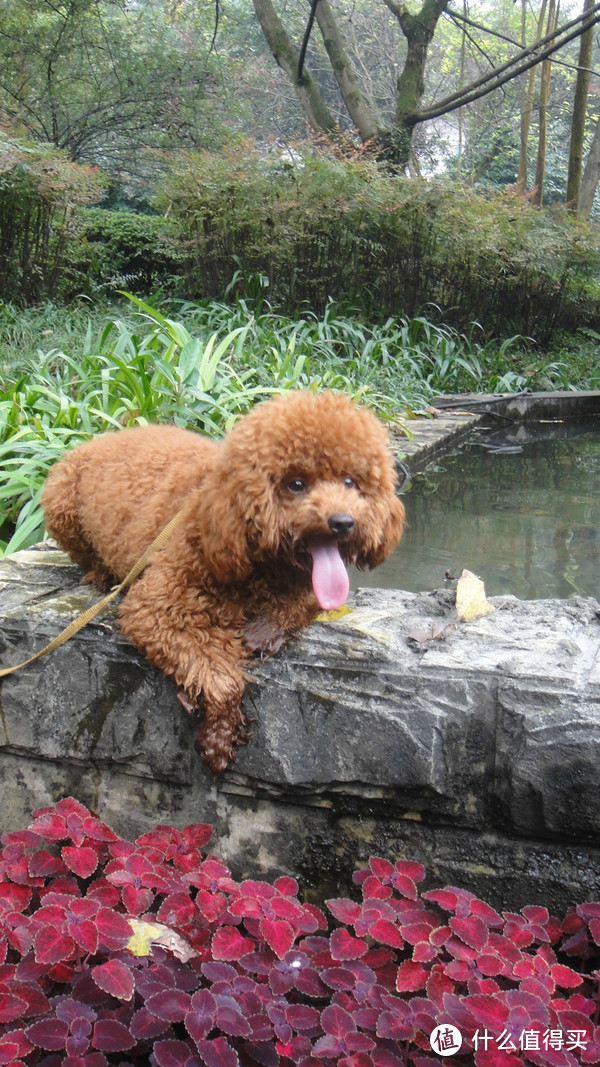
x=113 y=952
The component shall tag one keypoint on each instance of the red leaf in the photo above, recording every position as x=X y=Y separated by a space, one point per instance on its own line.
x=287 y=886
x=472 y=930
x=438 y=983
x=98 y=831
x=69 y=806
x=145 y=1026
x=49 y=1034
x=114 y=978
x=111 y=1036
x=411 y=977
x=197 y=835
x=381 y=868
x=14 y=1045
x=357 y=1042
x=415 y=932
x=217 y=1053
x=136 y=900
x=14 y=897
x=50 y=946
x=336 y=1022
x=387 y=933
x=391 y=1027
x=177 y=910
x=594 y=926
x=85 y=934
x=36 y=1003
x=444 y=898
x=491 y=965
x=82 y=861
x=344 y=946
x=411 y=869
x=565 y=977
x=534 y=913
x=228 y=944
x=405 y=886
x=113 y=929
x=302 y=1017
x=345 y=911
x=232 y=1022
x=42 y=864
x=384 y=1058
x=171 y=1053
x=489 y=1010
x=357 y=1059
x=169 y=1004
x=373 y=888
x=11 y=1007
x=284 y=908
x=278 y=934
x=489 y=915
x=51 y=826
x=200 y=1019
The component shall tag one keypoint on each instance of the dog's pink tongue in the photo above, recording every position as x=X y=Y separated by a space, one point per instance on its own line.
x=329 y=576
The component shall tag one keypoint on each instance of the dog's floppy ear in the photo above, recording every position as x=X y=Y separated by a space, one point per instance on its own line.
x=220 y=529
x=389 y=520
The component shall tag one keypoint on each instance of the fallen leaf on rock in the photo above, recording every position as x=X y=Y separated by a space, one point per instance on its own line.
x=333 y=615
x=471 y=601
x=433 y=634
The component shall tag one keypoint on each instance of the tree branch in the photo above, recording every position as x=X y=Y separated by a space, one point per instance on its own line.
x=521 y=62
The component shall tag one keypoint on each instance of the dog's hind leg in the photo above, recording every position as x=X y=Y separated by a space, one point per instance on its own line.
x=63 y=521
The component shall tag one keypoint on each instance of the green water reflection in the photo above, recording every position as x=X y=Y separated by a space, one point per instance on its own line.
x=518 y=506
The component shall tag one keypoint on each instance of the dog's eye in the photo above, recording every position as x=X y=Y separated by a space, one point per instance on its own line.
x=296 y=485
x=350 y=483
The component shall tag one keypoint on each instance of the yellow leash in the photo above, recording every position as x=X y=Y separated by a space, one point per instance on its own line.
x=82 y=620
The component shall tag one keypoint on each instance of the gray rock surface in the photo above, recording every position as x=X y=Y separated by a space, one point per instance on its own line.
x=477 y=752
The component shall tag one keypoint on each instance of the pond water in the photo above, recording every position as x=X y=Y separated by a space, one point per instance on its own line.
x=519 y=505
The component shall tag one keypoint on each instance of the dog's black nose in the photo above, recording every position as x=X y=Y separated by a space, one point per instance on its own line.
x=340 y=524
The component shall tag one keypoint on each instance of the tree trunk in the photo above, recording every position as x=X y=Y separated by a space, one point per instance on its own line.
x=394 y=145
x=363 y=115
x=418 y=30
x=527 y=100
x=579 y=115
x=591 y=176
x=317 y=113
x=540 y=165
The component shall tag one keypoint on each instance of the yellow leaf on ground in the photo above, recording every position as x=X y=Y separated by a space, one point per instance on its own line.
x=146 y=934
x=333 y=615
x=471 y=601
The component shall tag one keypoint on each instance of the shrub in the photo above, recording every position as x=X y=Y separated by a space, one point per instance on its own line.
x=41 y=192
x=324 y=228
x=153 y=952
x=122 y=249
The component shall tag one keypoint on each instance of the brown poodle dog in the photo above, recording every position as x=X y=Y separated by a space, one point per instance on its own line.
x=301 y=486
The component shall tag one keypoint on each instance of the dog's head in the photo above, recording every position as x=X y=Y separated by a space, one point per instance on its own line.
x=306 y=480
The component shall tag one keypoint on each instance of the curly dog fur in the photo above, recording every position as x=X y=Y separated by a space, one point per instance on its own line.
x=299 y=487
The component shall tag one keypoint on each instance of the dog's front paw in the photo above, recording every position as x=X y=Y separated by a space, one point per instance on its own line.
x=264 y=635
x=215 y=743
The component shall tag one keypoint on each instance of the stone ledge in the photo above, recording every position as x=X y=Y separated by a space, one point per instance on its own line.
x=484 y=743
x=427 y=438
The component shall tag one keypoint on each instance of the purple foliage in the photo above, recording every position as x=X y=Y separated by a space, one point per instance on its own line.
x=244 y=973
